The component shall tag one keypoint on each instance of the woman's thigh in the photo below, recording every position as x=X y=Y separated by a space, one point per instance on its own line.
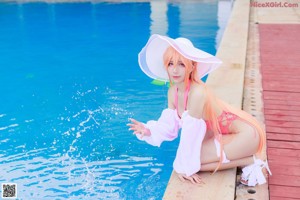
x=243 y=143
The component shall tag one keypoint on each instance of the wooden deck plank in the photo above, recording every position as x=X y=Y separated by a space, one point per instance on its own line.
x=282 y=160
x=284 y=191
x=285 y=70
x=274 y=117
x=284 y=124
x=283 y=102
x=283 y=144
x=283 y=108
x=280 y=113
x=283 y=152
x=283 y=137
x=285 y=158
x=280 y=95
x=278 y=129
x=281 y=198
x=283 y=170
x=283 y=76
x=286 y=76
x=284 y=88
x=285 y=180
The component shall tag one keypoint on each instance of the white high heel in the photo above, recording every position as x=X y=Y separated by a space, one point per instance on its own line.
x=253 y=174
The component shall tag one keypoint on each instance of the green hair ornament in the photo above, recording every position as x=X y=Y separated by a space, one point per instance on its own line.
x=160 y=83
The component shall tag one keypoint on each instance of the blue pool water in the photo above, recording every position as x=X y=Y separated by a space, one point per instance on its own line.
x=69 y=81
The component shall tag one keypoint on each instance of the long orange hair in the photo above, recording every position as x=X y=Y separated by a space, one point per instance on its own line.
x=213 y=106
x=172 y=55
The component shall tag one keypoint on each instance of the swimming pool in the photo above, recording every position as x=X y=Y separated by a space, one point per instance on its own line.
x=69 y=82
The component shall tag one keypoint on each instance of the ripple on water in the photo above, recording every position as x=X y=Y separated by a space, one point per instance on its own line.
x=62 y=176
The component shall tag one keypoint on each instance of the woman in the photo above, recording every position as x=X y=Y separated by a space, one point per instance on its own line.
x=214 y=135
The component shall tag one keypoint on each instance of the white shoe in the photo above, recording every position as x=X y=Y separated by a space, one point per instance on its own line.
x=253 y=174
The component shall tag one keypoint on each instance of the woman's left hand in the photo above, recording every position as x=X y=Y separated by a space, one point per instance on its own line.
x=195 y=178
x=138 y=128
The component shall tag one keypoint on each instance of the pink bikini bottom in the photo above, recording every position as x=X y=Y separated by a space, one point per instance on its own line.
x=225 y=120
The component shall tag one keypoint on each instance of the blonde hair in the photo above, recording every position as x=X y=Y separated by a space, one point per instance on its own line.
x=213 y=106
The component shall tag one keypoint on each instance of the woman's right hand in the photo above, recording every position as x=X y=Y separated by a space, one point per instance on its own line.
x=195 y=178
x=138 y=128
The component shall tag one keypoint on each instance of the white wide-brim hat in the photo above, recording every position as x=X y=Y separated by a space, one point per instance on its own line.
x=151 y=56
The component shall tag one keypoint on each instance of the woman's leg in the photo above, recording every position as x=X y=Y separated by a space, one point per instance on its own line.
x=243 y=144
x=233 y=163
x=240 y=150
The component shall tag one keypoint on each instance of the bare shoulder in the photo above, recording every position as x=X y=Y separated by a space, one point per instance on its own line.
x=196 y=100
x=197 y=92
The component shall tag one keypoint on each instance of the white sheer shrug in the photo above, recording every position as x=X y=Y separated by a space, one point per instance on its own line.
x=187 y=160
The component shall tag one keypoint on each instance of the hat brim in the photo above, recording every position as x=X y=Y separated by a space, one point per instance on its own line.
x=151 y=57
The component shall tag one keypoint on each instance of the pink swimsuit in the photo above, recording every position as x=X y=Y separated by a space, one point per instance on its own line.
x=193 y=131
x=225 y=119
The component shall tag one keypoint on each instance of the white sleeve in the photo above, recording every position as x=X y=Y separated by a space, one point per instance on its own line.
x=165 y=129
x=187 y=160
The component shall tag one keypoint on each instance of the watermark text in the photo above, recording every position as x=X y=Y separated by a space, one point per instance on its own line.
x=273 y=4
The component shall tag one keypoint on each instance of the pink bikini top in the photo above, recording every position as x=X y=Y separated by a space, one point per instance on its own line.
x=225 y=119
